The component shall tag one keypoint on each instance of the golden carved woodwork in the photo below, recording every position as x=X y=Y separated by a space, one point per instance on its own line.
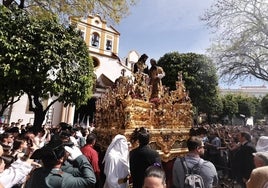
x=128 y=106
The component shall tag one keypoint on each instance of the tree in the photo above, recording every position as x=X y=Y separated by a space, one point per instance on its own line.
x=258 y=115
x=113 y=10
x=241 y=106
x=240 y=45
x=200 y=79
x=246 y=105
x=264 y=104
x=46 y=60
x=9 y=93
x=230 y=106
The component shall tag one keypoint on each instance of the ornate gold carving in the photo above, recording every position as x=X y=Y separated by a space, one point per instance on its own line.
x=128 y=106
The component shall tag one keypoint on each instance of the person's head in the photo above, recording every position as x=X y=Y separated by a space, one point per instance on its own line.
x=123 y=71
x=260 y=159
x=15 y=131
x=51 y=154
x=143 y=136
x=1 y=150
x=118 y=146
x=2 y=165
x=143 y=58
x=91 y=139
x=8 y=160
x=65 y=136
x=85 y=132
x=244 y=136
x=195 y=145
x=262 y=144
x=155 y=177
x=7 y=138
x=19 y=144
x=201 y=131
x=31 y=132
x=153 y=62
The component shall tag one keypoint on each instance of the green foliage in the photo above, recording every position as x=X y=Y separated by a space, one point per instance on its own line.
x=200 y=79
x=112 y=11
x=246 y=105
x=230 y=105
x=238 y=104
x=258 y=115
x=264 y=104
x=45 y=59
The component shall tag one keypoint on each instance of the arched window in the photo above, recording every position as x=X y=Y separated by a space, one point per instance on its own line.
x=96 y=62
x=108 y=45
x=95 y=39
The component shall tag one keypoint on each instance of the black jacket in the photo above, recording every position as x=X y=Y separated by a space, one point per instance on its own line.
x=140 y=159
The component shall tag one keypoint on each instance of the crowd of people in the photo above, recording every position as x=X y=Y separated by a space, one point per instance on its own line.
x=64 y=156
x=237 y=152
x=69 y=157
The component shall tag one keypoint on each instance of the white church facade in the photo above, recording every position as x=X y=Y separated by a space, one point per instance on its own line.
x=103 y=43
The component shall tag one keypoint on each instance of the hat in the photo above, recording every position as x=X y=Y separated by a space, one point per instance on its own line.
x=53 y=150
x=262 y=144
x=263 y=156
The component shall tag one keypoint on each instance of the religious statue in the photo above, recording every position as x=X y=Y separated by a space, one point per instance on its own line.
x=156 y=73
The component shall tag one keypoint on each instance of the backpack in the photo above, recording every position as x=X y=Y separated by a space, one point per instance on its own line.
x=192 y=178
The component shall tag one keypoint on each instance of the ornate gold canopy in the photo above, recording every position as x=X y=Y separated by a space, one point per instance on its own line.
x=127 y=106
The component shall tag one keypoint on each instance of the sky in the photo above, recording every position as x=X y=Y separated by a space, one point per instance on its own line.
x=157 y=27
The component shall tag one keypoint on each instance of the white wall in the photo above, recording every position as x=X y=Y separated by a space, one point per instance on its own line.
x=20 y=111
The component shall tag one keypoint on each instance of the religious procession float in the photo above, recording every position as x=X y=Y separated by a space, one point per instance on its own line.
x=128 y=106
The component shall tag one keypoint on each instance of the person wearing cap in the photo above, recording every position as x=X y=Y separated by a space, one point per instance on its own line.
x=53 y=155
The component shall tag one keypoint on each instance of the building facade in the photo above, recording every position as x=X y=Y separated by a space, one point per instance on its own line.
x=103 y=44
x=256 y=91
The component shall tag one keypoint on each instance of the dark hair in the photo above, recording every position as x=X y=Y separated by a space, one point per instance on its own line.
x=13 y=130
x=84 y=132
x=201 y=130
x=153 y=60
x=17 y=143
x=143 y=57
x=5 y=135
x=246 y=135
x=155 y=171
x=91 y=138
x=9 y=159
x=52 y=155
x=65 y=134
x=143 y=136
x=194 y=142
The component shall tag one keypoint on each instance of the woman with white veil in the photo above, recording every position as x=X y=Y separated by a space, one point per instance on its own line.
x=116 y=163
